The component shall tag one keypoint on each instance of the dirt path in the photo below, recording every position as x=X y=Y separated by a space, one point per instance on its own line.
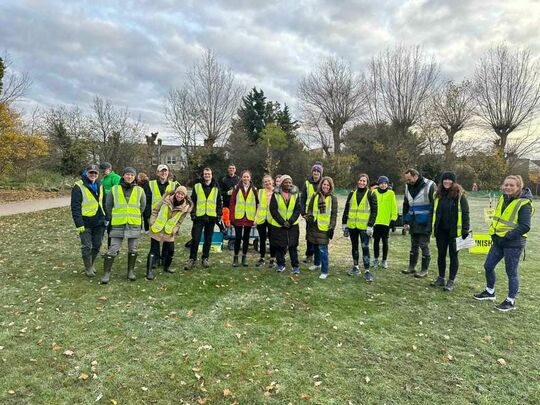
x=33 y=205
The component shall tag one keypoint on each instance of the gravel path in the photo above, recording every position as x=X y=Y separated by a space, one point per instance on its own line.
x=33 y=205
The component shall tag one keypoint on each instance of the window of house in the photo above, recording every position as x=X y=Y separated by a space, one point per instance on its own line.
x=171 y=160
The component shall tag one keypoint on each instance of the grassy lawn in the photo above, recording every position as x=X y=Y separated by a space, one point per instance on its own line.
x=228 y=335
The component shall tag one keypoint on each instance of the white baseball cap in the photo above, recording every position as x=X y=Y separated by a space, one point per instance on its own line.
x=162 y=167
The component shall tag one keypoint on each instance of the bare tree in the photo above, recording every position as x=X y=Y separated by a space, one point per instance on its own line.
x=336 y=93
x=507 y=89
x=316 y=130
x=181 y=116
x=453 y=108
x=13 y=85
x=402 y=81
x=374 y=112
x=521 y=146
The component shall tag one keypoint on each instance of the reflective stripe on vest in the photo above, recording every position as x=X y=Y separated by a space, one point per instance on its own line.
x=358 y=213
x=420 y=205
x=263 y=213
x=459 y=215
x=163 y=223
x=246 y=207
x=323 y=220
x=284 y=211
x=156 y=194
x=125 y=212
x=503 y=222
x=89 y=204
x=310 y=191
x=206 y=206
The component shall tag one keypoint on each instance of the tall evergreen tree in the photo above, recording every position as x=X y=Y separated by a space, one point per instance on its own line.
x=252 y=114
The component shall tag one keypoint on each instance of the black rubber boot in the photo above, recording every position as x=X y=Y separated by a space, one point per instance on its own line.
x=107 y=266
x=149 y=266
x=235 y=261
x=167 y=265
x=88 y=266
x=244 y=261
x=132 y=259
x=425 y=267
x=413 y=260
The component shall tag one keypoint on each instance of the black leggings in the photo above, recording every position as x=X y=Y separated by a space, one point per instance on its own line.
x=264 y=233
x=364 y=240
x=446 y=243
x=167 y=251
x=241 y=237
x=380 y=232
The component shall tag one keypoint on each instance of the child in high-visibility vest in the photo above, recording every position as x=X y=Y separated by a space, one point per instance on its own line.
x=386 y=216
x=243 y=207
x=263 y=221
x=167 y=216
x=321 y=218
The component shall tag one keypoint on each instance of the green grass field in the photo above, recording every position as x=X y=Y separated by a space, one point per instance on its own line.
x=251 y=336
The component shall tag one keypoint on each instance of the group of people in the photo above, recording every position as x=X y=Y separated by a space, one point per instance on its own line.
x=123 y=205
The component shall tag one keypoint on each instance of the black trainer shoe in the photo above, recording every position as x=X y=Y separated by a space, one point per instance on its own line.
x=505 y=306
x=421 y=274
x=439 y=282
x=408 y=271
x=368 y=277
x=449 y=286
x=260 y=262
x=484 y=295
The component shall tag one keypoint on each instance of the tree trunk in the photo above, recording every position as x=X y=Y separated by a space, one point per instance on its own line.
x=336 y=134
x=448 y=157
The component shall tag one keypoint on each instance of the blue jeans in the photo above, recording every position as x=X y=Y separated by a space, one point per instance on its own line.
x=321 y=257
x=511 y=260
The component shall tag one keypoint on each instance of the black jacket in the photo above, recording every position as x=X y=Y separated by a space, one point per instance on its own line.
x=280 y=236
x=206 y=190
x=514 y=238
x=76 y=207
x=414 y=189
x=303 y=193
x=447 y=215
x=226 y=183
x=372 y=200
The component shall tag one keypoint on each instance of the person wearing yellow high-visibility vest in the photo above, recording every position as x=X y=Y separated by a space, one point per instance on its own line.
x=243 y=208
x=206 y=213
x=124 y=207
x=262 y=219
x=358 y=219
x=387 y=214
x=309 y=188
x=167 y=216
x=285 y=213
x=321 y=218
x=450 y=220
x=89 y=216
x=509 y=227
x=155 y=190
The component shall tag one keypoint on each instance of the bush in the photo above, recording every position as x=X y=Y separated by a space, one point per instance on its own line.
x=40 y=179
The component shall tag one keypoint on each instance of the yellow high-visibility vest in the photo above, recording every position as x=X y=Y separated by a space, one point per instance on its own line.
x=90 y=205
x=263 y=212
x=359 y=213
x=125 y=212
x=310 y=191
x=503 y=222
x=247 y=206
x=163 y=223
x=156 y=194
x=206 y=206
x=459 y=215
x=386 y=207
x=285 y=212
x=323 y=220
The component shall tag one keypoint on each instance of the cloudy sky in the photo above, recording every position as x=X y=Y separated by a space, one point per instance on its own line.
x=133 y=52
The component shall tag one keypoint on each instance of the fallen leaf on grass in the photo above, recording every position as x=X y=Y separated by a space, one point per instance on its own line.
x=228 y=325
x=114 y=402
x=56 y=347
x=190 y=313
x=227 y=392
x=305 y=397
x=11 y=392
x=103 y=298
x=367 y=379
x=69 y=353
x=317 y=383
x=83 y=377
x=202 y=401
x=501 y=361
x=144 y=388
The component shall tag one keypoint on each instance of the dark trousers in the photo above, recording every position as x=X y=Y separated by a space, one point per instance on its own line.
x=91 y=240
x=264 y=233
x=380 y=232
x=420 y=241
x=446 y=243
x=200 y=225
x=310 y=247
x=166 y=251
x=293 y=254
x=356 y=234
x=145 y=224
x=511 y=261
x=241 y=237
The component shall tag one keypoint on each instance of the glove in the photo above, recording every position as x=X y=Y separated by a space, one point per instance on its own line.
x=369 y=231
x=286 y=225
x=464 y=234
x=330 y=233
x=310 y=219
x=81 y=229
x=392 y=224
x=345 y=230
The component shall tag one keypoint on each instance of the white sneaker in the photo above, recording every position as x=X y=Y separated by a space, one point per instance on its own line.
x=384 y=264
x=314 y=267
x=323 y=276
x=375 y=263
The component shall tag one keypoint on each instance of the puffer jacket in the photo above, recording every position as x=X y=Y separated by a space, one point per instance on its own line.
x=168 y=200
x=282 y=237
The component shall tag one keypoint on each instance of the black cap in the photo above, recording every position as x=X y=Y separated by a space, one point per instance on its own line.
x=104 y=166
x=92 y=168
x=449 y=176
